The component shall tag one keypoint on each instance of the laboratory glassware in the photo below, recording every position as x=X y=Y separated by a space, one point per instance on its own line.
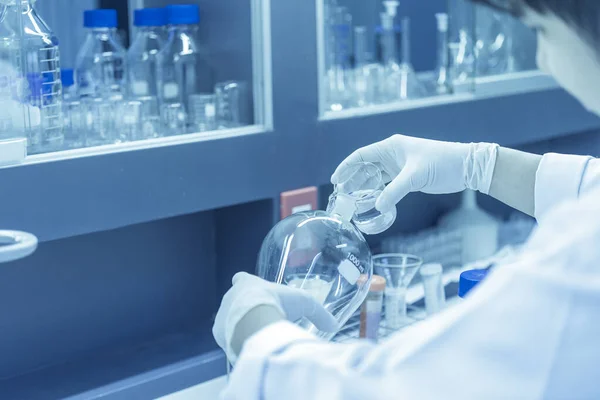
x=151 y=123
x=31 y=58
x=367 y=75
x=461 y=30
x=435 y=295
x=491 y=44
x=99 y=121
x=363 y=182
x=173 y=118
x=142 y=54
x=232 y=101
x=203 y=112
x=323 y=253
x=74 y=113
x=339 y=74
x=441 y=74
x=129 y=121
x=183 y=67
x=391 y=67
x=398 y=271
x=14 y=111
x=410 y=85
x=370 y=312
x=101 y=63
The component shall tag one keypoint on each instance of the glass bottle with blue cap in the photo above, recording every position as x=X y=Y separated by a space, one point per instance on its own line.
x=100 y=66
x=142 y=54
x=183 y=66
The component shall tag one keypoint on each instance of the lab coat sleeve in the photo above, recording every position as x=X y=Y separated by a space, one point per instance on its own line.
x=527 y=332
x=559 y=178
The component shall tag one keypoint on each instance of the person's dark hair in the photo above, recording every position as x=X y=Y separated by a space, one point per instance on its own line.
x=584 y=15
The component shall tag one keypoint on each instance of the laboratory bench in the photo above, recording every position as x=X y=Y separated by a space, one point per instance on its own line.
x=139 y=241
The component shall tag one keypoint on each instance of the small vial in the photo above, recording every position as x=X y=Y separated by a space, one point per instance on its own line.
x=435 y=296
x=370 y=312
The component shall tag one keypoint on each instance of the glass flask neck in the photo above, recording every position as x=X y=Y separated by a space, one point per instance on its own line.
x=343 y=206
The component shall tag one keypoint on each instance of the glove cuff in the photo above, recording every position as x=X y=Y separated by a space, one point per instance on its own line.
x=479 y=166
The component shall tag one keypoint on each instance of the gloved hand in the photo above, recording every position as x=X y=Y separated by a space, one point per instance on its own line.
x=421 y=165
x=250 y=294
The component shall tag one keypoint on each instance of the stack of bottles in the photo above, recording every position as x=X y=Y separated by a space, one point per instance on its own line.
x=163 y=85
x=358 y=77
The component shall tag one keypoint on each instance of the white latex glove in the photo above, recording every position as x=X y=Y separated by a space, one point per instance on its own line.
x=421 y=165
x=250 y=293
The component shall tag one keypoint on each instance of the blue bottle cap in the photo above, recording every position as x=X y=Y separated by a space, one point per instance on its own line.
x=470 y=279
x=104 y=18
x=67 y=77
x=183 y=14
x=150 y=17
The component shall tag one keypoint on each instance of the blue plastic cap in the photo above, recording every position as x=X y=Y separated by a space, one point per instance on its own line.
x=150 y=17
x=470 y=279
x=104 y=18
x=67 y=77
x=183 y=14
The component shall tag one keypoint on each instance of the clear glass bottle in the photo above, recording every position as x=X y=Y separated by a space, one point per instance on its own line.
x=323 y=253
x=73 y=112
x=34 y=59
x=100 y=66
x=101 y=76
x=142 y=54
x=184 y=68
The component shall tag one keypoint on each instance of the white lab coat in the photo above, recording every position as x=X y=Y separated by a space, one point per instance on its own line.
x=531 y=330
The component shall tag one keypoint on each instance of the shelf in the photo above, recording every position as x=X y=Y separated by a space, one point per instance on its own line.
x=98 y=189
x=486 y=87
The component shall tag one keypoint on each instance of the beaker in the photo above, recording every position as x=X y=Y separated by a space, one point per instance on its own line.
x=398 y=271
x=202 y=109
x=173 y=118
x=364 y=183
x=232 y=104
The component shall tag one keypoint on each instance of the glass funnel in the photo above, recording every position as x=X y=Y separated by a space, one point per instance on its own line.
x=364 y=183
x=323 y=253
x=398 y=271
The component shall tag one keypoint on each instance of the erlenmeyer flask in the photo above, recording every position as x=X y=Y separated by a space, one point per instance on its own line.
x=323 y=253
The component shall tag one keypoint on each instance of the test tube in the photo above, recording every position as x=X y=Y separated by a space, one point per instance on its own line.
x=232 y=100
x=363 y=80
x=174 y=119
x=202 y=110
x=435 y=295
x=370 y=312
